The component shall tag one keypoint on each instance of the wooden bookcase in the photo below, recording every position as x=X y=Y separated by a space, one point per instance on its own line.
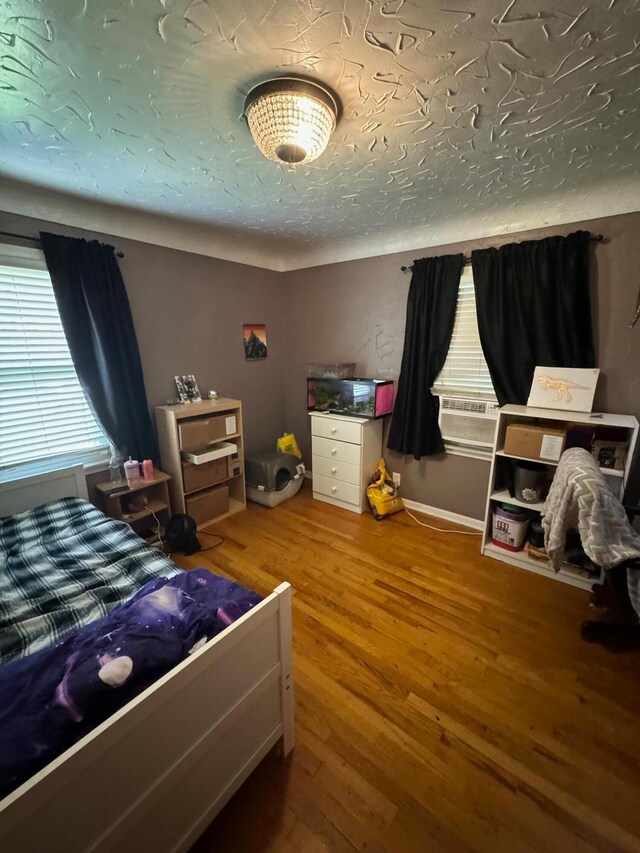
x=215 y=489
x=497 y=492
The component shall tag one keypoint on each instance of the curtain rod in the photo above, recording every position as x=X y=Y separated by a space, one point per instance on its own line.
x=594 y=238
x=37 y=239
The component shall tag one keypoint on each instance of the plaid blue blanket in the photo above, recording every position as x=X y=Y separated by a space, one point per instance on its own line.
x=63 y=565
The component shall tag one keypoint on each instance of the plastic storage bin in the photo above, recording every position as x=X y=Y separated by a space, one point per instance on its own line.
x=510 y=528
x=363 y=398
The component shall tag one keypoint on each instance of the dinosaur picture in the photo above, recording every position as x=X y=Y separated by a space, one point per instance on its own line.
x=566 y=388
x=562 y=387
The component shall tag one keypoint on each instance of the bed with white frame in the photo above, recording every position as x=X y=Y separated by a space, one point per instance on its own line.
x=154 y=775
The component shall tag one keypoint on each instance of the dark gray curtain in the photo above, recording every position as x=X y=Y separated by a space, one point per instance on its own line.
x=97 y=323
x=431 y=311
x=534 y=308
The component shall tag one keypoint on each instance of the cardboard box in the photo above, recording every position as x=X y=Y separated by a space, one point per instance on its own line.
x=544 y=442
x=208 y=474
x=200 y=432
x=207 y=506
x=235 y=466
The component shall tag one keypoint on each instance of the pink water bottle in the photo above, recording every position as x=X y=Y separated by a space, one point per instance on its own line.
x=147 y=470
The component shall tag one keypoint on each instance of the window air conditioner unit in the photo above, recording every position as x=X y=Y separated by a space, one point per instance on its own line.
x=465 y=421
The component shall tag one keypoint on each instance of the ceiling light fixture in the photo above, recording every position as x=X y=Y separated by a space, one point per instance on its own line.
x=291 y=119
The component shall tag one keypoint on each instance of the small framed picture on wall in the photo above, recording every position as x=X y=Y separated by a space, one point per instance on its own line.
x=255 y=341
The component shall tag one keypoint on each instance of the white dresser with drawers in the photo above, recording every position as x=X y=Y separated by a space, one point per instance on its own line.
x=345 y=453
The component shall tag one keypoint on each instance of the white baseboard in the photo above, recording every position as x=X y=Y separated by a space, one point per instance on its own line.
x=445 y=515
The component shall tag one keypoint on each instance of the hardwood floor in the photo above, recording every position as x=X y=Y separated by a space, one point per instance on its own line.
x=444 y=700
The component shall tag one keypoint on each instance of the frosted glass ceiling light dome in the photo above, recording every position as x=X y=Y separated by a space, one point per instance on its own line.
x=291 y=119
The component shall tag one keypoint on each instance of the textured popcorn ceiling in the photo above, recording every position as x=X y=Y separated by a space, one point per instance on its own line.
x=453 y=112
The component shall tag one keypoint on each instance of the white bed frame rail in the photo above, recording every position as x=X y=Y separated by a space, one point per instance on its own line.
x=23 y=493
x=157 y=772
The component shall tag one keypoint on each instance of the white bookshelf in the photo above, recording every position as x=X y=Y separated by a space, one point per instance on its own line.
x=498 y=493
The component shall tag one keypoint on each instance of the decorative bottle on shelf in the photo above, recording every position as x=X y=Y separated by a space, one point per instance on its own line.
x=115 y=467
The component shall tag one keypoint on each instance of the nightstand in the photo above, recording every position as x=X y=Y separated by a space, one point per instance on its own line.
x=116 y=497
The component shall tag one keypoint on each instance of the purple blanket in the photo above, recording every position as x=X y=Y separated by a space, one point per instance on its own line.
x=52 y=698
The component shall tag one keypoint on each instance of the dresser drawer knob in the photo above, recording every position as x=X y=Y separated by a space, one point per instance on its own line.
x=334 y=489
x=334 y=430
x=333 y=451
x=334 y=470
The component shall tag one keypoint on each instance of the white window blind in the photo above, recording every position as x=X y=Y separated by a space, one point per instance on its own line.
x=465 y=372
x=45 y=420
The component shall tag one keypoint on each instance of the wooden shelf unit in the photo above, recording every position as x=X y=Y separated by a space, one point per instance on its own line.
x=142 y=521
x=199 y=490
x=497 y=493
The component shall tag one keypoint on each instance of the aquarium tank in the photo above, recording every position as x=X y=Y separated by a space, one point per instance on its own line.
x=363 y=398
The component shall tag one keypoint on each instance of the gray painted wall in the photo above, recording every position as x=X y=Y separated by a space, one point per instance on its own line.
x=188 y=310
x=355 y=311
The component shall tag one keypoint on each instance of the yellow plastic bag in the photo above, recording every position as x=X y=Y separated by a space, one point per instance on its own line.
x=288 y=444
x=382 y=494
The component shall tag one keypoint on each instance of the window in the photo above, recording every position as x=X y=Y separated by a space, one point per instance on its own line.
x=465 y=372
x=468 y=404
x=45 y=421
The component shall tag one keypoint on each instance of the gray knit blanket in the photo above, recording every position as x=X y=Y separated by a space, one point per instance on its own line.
x=580 y=499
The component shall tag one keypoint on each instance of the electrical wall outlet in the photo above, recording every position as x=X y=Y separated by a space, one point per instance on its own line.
x=396 y=478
